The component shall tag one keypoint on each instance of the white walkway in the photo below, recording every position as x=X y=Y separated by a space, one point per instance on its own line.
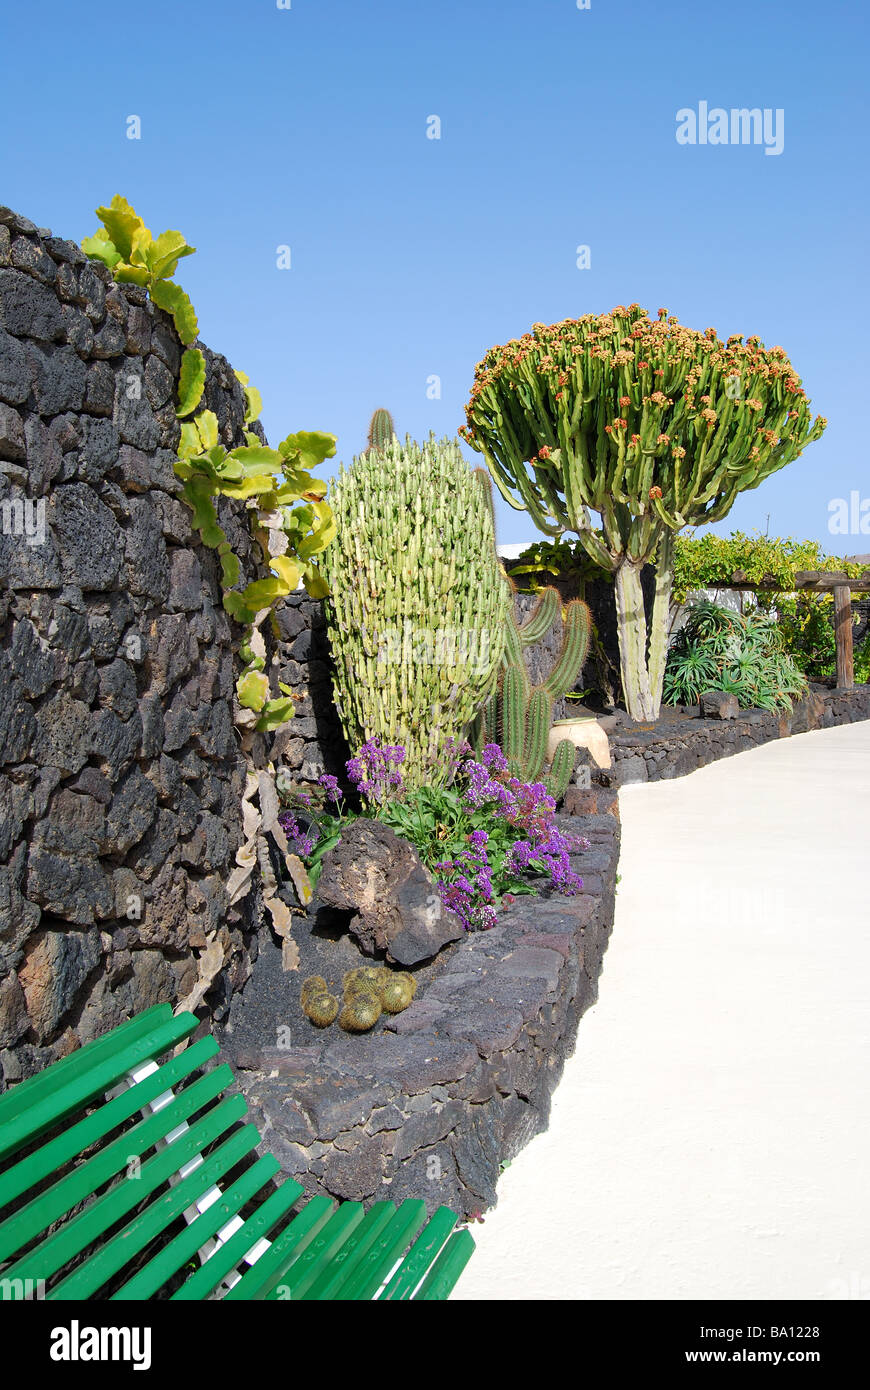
x=711 y=1135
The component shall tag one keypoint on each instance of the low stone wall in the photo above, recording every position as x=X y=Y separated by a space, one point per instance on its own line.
x=674 y=748
x=464 y=1077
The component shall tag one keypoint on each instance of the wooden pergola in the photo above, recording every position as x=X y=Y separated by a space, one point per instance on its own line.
x=817 y=582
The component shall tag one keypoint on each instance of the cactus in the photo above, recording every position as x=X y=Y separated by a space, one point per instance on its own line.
x=315 y=984
x=322 y=1009
x=360 y=1013
x=382 y=431
x=650 y=425
x=418 y=603
x=519 y=715
x=396 y=995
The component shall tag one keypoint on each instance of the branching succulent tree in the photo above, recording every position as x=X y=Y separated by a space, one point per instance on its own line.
x=649 y=424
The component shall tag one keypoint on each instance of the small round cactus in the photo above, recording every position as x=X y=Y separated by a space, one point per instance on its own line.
x=315 y=984
x=322 y=1009
x=396 y=995
x=360 y=1013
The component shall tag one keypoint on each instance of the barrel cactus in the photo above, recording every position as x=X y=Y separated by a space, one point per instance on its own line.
x=519 y=715
x=418 y=604
x=648 y=425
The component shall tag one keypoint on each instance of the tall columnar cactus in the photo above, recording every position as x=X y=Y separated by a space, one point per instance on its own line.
x=418 y=602
x=520 y=715
x=382 y=431
x=649 y=425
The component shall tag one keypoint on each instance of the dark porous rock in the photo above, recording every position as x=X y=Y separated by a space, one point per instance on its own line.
x=12 y=444
x=719 y=704
x=14 y=370
x=379 y=878
x=90 y=540
x=28 y=309
x=56 y=967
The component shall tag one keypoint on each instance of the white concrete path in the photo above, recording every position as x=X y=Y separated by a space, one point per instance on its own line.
x=710 y=1137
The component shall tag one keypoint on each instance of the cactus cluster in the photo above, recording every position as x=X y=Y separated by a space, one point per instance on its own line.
x=369 y=991
x=418 y=604
x=519 y=715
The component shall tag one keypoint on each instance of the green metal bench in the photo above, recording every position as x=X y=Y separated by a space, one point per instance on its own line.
x=114 y=1169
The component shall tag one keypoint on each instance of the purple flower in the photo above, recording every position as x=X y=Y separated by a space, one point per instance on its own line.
x=300 y=839
x=330 y=786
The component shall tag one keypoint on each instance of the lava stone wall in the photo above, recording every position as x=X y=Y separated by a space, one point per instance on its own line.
x=120 y=771
x=660 y=753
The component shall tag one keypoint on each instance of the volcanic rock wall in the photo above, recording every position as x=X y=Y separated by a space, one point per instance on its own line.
x=120 y=772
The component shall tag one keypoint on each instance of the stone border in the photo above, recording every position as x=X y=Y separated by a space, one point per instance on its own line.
x=464 y=1080
x=661 y=754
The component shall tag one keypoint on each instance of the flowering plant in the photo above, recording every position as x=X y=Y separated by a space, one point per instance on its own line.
x=483 y=835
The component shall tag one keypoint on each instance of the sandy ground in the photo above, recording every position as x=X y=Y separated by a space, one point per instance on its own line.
x=710 y=1137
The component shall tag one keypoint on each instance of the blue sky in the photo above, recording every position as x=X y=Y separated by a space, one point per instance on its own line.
x=264 y=127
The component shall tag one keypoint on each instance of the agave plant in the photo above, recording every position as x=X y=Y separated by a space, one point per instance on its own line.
x=719 y=649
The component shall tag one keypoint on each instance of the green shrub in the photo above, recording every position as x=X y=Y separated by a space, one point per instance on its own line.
x=719 y=649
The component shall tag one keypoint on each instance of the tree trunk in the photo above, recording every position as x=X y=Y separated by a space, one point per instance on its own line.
x=642 y=676
x=659 y=622
x=631 y=623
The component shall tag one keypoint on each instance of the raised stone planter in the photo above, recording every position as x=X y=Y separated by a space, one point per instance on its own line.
x=432 y=1104
x=678 y=746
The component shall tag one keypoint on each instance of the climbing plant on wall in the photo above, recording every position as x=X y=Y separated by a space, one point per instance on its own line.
x=289 y=518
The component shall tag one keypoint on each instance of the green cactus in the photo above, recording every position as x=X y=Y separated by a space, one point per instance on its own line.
x=417 y=603
x=382 y=431
x=360 y=1013
x=396 y=995
x=322 y=1009
x=315 y=984
x=519 y=715
x=650 y=426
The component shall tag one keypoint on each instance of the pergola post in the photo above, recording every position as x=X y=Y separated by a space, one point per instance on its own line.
x=843 y=629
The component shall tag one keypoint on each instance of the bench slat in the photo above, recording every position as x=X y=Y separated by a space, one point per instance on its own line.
x=385 y=1251
x=54 y=1154
x=185 y=1245
x=290 y=1282
x=76 y=1087
x=26 y=1093
x=328 y=1285
x=159 y=1214
x=84 y=1180
x=75 y=1235
x=201 y=1283
x=443 y=1275
x=421 y=1255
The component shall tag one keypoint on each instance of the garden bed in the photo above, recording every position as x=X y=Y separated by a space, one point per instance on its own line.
x=435 y=1100
x=681 y=741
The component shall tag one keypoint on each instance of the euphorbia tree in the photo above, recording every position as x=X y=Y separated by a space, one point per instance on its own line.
x=647 y=423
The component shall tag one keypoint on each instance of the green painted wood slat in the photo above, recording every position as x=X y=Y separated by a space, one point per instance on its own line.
x=185 y=1245
x=385 y=1251
x=159 y=1214
x=85 y=1179
x=204 y=1280
x=442 y=1277
x=56 y=1152
x=72 y=1238
x=329 y=1284
x=418 y=1259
